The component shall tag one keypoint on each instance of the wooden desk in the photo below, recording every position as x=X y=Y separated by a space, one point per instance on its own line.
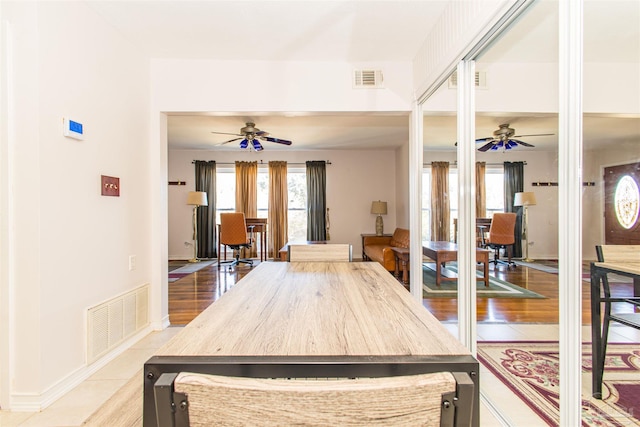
x=599 y=271
x=257 y=225
x=443 y=252
x=307 y=309
x=260 y=226
x=482 y=227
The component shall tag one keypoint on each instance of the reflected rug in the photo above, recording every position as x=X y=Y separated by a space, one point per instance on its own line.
x=530 y=370
x=187 y=268
x=448 y=289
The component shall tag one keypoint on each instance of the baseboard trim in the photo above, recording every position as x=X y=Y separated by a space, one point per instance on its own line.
x=32 y=402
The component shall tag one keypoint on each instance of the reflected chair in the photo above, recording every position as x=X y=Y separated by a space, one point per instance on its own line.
x=502 y=236
x=233 y=233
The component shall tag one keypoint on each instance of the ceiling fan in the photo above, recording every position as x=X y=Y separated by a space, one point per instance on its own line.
x=250 y=134
x=504 y=138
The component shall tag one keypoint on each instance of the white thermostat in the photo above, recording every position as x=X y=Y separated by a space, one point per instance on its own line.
x=72 y=129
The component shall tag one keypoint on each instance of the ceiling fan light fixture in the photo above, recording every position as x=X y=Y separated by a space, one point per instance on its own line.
x=256 y=145
x=244 y=143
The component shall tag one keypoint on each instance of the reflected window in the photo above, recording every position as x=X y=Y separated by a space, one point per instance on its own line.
x=626 y=201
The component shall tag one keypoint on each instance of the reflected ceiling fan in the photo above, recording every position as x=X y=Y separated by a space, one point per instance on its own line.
x=250 y=137
x=504 y=138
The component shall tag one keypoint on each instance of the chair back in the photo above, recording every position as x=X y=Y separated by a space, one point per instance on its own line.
x=233 y=229
x=321 y=252
x=390 y=401
x=502 y=230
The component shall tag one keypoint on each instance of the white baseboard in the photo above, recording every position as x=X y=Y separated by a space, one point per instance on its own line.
x=33 y=402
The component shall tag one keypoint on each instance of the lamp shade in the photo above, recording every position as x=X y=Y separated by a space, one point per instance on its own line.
x=379 y=208
x=527 y=198
x=197 y=198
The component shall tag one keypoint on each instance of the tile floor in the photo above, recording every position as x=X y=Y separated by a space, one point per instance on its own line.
x=73 y=408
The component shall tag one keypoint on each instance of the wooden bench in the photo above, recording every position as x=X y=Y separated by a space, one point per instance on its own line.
x=284 y=251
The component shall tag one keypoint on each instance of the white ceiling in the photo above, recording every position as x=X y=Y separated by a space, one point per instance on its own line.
x=359 y=31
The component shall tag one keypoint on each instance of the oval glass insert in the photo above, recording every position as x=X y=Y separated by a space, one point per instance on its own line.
x=627 y=201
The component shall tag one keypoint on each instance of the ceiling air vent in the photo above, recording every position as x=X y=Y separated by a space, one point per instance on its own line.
x=481 y=80
x=367 y=79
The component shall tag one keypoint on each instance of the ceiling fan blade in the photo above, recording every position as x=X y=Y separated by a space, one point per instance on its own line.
x=231 y=140
x=535 y=134
x=486 y=147
x=227 y=133
x=262 y=133
x=484 y=140
x=278 y=140
x=526 y=144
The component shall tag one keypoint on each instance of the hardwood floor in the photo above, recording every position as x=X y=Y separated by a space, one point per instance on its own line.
x=192 y=294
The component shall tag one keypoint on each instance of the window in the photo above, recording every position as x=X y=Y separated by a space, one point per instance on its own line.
x=297 y=187
x=297 y=183
x=494 y=183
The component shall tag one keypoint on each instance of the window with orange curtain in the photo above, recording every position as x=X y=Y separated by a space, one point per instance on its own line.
x=278 y=206
x=247 y=194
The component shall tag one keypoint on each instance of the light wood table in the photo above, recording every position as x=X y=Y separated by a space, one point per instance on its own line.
x=308 y=309
x=442 y=252
x=599 y=272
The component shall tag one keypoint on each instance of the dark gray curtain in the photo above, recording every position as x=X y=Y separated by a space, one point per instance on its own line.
x=316 y=200
x=514 y=183
x=206 y=181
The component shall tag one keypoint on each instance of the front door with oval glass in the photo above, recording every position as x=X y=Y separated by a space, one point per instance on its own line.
x=622 y=204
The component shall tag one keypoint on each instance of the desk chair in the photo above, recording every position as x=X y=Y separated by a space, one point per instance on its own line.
x=233 y=233
x=613 y=254
x=437 y=398
x=502 y=236
x=323 y=252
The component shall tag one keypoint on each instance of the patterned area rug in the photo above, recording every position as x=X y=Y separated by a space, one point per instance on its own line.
x=448 y=289
x=186 y=269
x=530 y=370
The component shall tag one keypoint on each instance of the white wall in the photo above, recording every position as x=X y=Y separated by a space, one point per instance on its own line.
x=354 y=180
x=69 y=246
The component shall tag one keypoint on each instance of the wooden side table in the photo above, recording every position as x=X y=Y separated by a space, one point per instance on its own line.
x=402 y=258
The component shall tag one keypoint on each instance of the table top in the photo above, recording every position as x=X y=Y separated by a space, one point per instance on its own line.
x=300 y=308
x=315 y=308
x=632 y=268
x=444 y=246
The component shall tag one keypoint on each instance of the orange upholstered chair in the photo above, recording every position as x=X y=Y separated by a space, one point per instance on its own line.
x=502 y=235
x=233 y=233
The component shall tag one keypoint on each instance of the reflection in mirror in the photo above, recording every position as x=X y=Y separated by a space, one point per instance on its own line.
x=611 y=159
x=439 y=204
x=516 y=181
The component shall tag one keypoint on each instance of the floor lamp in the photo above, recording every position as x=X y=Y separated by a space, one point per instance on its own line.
x=525 y=199
x=196 y=199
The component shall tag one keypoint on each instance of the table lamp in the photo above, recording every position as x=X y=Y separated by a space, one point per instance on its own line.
x=525 y=199
x=379 y=208
x=196 y=199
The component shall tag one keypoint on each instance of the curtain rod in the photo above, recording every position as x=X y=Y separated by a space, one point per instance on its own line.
x=488 y=164
x=261 y=162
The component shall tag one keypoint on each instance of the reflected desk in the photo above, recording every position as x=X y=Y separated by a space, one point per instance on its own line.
x=443 y=252
x=601 y=293
x=306 y=310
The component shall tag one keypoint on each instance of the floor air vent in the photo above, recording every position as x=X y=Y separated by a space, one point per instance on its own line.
x=367 y=79
x=113 y=321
